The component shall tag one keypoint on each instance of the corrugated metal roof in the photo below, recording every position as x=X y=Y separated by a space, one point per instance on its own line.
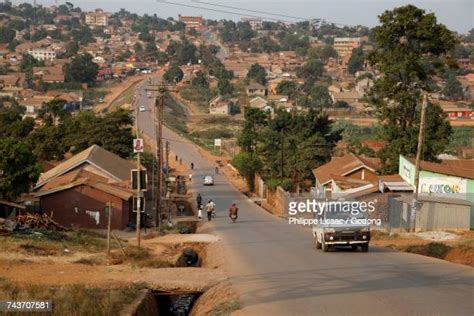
x=111 y=164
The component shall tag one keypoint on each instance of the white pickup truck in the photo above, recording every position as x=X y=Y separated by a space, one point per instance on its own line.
x=341 y=229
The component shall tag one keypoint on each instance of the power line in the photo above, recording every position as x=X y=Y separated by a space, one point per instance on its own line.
x=249 y=15
x=248 y=10
x=220 y=11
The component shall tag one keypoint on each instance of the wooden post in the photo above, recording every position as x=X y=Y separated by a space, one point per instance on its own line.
x=138 y=185
x=109 y=222
x=119 y=243
x=419 y=150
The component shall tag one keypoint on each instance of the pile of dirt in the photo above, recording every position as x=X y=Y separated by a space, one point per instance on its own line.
x=463 y=254
x=218 y=300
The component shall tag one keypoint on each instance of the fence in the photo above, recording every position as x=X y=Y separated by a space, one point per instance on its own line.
x=434 y=214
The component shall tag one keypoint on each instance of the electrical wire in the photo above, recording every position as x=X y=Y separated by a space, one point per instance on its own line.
x=248 y=10
x=220 y=11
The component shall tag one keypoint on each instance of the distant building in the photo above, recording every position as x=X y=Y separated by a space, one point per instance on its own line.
x=345 y=45
x=192 y=22
x=255 y=23
x=254 y=89
x=97 y=18
x=218 y=106
x=43 y=54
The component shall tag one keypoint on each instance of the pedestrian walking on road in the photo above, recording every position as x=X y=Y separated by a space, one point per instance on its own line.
x=217 y=170
x=200 y=212
x=192 y=165
x=210 y=209
x=176 y=158
x=199 y=200
x=190 y=177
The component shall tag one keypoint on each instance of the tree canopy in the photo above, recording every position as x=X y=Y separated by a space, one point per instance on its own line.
x=81 y=69
x=411 y=49
x=257 y=73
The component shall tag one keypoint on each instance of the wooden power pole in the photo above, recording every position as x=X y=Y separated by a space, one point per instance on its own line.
x=419 y=151
x=161 y=89
x=138 y=224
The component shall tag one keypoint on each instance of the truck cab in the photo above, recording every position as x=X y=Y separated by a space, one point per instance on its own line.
x=341 y=229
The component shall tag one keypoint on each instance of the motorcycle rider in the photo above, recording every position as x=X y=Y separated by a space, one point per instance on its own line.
x=233 y=212
x=210 y=209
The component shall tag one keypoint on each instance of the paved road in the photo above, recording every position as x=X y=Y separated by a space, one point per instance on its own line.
x=277 y=271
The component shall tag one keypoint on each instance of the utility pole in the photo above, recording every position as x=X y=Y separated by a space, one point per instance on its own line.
x=159 y=110
x=138 y=183
x=167 y=159
x=108 y=206
x=419 y=150
x=159 y=144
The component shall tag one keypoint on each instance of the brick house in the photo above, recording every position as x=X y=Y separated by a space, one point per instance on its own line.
x=76 y=191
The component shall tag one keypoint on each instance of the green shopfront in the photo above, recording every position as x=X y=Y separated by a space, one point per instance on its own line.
x=435 y=183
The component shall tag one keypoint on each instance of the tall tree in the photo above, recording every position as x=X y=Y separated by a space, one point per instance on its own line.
x=257 y=73
x=453 y=89
x=311 y=70
x=19 y=169
x=411 y=48
x=293 y=144
x=173 y=74
x=225 y=87
x=6 y=34
x=286 y=87
x=356 y=62
x=81 y=69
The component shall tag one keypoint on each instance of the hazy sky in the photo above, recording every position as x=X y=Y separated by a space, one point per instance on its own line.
x=458 y=15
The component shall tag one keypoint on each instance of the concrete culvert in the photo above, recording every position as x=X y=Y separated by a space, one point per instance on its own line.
x=191 y=257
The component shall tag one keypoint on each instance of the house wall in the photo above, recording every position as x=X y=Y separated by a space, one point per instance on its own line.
x=220 y=110
x=78 y=206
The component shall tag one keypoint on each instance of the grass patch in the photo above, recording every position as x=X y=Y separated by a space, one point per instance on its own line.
x=175 y=115
x=38 y=250
x=54 y=242
x=226 y=308
x=125 y=98
x=91 y=261
x=75 y=299
x=200 y=96
x=213 y=133
x=135 y=253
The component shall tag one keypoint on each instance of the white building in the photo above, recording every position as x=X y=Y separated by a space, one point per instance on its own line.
x=43 y=53
x=97 y=18
x=255 y=23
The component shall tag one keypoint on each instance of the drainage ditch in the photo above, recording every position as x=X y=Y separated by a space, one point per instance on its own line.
x=176 y=303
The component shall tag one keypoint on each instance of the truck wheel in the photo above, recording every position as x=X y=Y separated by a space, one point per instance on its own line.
x=318 y=244
x=325 y=246
x=365 y=247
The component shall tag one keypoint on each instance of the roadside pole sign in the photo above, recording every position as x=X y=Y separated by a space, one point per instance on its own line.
x=138 y=204
x=143 y=179
x=217 y=142
x=138 y=145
